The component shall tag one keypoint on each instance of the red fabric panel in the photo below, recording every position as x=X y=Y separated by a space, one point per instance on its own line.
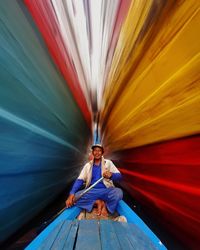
x=45 y=19
x=165 y=179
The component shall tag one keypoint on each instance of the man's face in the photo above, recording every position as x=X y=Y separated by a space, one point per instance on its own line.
x=97 y=153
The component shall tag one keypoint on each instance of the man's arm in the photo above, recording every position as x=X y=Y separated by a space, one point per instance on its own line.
x=113 y=176
x=116 y=177
x=113 y=173
x=77 y=185
x=71 y=198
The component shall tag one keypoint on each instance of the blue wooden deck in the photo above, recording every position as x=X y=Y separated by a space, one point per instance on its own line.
x=65 y=232
x=97 y=235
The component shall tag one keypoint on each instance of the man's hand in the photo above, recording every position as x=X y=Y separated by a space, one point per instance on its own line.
x=70 y=200
x=107 y=174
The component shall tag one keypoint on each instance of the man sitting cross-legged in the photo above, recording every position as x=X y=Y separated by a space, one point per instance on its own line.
x=104 y=195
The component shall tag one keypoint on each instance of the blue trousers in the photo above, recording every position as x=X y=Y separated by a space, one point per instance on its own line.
x=111 y=196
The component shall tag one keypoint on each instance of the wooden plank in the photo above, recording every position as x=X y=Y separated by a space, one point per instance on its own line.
x=143 y=241
x=108 y=236
x=137 y=238
x=71 y=238
x=133 y=240
x=48 y=242
x=88 y=235
x=59 y=242
x=131 y=216
x=122 y=235
x=68 y=214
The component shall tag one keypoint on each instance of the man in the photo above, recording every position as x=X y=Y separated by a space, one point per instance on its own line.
x=104 y=194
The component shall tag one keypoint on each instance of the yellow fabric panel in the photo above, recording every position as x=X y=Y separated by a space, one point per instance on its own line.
x=173 y=111
x=159 y=99
x=127 y=39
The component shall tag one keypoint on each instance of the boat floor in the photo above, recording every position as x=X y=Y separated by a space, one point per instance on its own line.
x=95 y=235
x=92 y=232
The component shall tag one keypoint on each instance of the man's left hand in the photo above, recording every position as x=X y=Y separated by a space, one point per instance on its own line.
x=107 y=174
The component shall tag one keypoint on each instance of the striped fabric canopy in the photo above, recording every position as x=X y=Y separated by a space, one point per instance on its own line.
x=133 y=67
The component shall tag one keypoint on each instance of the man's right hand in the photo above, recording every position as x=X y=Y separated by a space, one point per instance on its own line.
x=70 y=200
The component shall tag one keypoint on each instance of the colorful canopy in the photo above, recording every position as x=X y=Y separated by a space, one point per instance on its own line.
x=133 y=68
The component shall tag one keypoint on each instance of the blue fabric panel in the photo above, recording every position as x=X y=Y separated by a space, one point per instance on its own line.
x=43 y=134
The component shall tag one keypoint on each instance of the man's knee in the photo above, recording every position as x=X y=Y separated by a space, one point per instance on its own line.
x=116 y=193
x=119 y=193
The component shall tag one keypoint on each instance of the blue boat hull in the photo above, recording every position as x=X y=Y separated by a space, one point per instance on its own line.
x=137 y=225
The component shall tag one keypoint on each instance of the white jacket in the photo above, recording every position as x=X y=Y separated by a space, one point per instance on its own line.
x=86 y=173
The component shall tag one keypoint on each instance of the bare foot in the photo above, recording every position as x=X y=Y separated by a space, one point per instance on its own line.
x=104 y=211
x=81 y=216
x=98 y=204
